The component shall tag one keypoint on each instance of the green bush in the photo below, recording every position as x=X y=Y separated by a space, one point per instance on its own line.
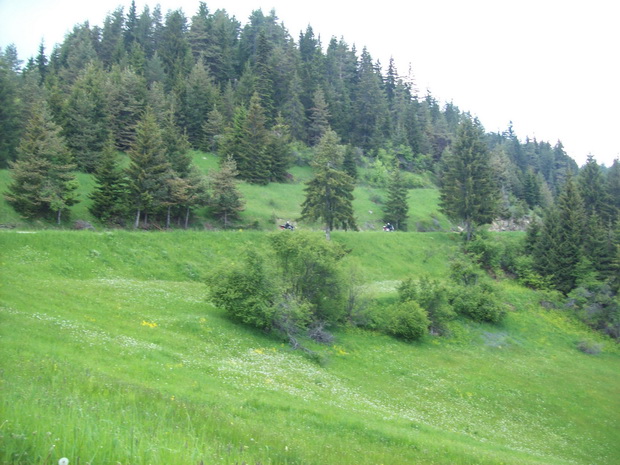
x=407 y=320
x=311 y=271
x=245 y=291
x=432 y=296
x=478 y=303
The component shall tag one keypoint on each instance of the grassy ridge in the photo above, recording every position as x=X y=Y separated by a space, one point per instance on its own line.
x=112 y=353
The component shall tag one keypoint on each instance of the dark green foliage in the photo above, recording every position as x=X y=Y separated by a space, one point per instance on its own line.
x=597 y=305
x=245 y=291
x=226 y=201
x=329 y=195
x=86 y=118
x=396 y=208
x=149 y=169
x=469 y=193
x=43 y=183
x=110 y=195
x=9 y=112
x=559 y=251
x=407 y=320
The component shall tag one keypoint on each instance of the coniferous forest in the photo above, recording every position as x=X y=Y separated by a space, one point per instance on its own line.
x=127 y=101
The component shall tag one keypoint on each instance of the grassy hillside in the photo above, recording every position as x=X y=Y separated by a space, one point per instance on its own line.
x=265 y=205
x=111 y=353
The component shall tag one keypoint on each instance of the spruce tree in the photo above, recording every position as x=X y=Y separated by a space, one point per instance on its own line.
x=329 y=195
x=559 y=253
x=396 y=209
x=109 y=197
x=469 y=193
x=43 y=179
x=149 y=168
x=226 y=201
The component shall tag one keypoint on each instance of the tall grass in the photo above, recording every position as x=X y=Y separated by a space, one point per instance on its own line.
x=111 y=353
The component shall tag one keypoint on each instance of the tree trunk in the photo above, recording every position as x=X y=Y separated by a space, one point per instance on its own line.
x=58 y=216
x=186 y=217
x=137 y=222
x=328 y=234
x=168 y=217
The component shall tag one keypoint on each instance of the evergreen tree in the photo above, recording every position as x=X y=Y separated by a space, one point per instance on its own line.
x=349 y=164
x=319 y=118
x=43 y=179
x=212 y=130
x=257 y=155
x=226 y=201
x=9 y=111
x=613 y=190
x=149 y=169
x=592 y=188
x=200 y=97
x=109 y=197
x=278 y=150
x=468 y=191
x=126 y=93
x=396 y=209
x=559 y=253
x=329 y=195
x=86 y=119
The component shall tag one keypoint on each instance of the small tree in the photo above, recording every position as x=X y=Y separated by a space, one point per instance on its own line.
x=396 y=209
x=43 y=179
x=226 y=201
x=149 y=170
x=469 y=192
x=329 y=195
x=111 y=191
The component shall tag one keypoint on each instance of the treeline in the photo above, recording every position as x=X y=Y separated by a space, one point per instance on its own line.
x=250 y=91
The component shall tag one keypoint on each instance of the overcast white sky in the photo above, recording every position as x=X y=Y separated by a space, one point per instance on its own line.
x=550 y=66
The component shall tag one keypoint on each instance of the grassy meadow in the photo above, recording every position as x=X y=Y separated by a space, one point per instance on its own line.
x=111 y=353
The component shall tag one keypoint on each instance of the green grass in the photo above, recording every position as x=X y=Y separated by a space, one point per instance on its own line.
x=112 y=353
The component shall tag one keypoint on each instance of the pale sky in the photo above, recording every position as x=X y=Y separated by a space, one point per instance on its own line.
x=550 y=66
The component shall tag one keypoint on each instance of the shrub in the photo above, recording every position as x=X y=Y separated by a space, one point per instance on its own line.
x=488 y=253
x=478 y=303
x=407 y=320
x=590 y=347
x=432 y=296
x=310 y=270
x=245 y=292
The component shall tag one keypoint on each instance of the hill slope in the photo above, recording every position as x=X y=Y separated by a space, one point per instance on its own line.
x=111 y=353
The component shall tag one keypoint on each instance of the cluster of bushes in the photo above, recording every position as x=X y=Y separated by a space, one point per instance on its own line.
x=302 y=285
x=427 y=305
x=296 y=288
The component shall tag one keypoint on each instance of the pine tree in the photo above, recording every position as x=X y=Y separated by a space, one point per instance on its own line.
x=109 y=197
x=258 y=136
x=319 y=118
x=559 y=254
x=329 y=195
x=149 y=168
x=396 y=209
x=86 y=118
x=9 y=112
x=43 y=179
x=200 y=97
x=278 y=151
x=226 y=201
x=592 y=188
x=468 y=192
